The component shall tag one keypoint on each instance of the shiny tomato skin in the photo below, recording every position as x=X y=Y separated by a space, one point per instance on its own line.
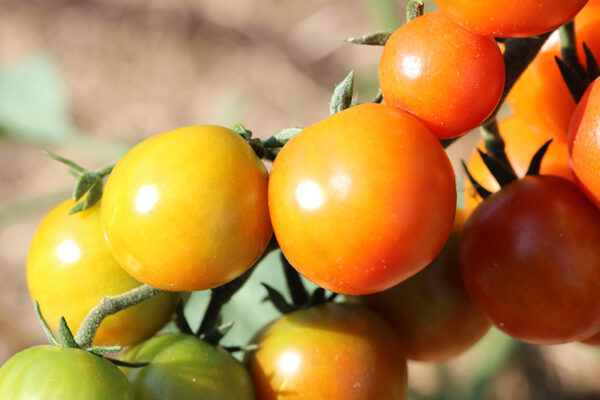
x=70 y=269
x=187 y=210
x=530 y=261
x=414 y=74
x=593 y=341
x=511 y=18
x=425 y=308
x=521 y=142
x=332 y=351
x=584 y=148
x=541 y=96
x=362 y=200
x=183 y=367
x=56 y=373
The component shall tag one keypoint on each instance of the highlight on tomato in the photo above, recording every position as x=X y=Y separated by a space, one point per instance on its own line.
x=432 y=312
x=187 y=210
x=70 y=269
x=362 y=200
x=414 y=74
x=332 y=351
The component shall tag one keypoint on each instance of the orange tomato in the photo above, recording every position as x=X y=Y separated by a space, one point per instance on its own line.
x=521 y=144
x=414 y=74
x=187 y=210
x=70 y=269
x=362 y=200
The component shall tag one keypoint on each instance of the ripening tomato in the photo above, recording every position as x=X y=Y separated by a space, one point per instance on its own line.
x=187 y=210
x=593 y=341
x=59 y=373
x=584 y=146
x=511 y=18
x=530 y=261
x=332 y=351
x=414 y=74
x=540 y=96
x=521 y=144
x=70 y=269
x=183 y=367
x=431 y=312
x=362 y=200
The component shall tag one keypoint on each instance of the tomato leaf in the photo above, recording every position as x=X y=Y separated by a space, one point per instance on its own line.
x=278 y=300
x=499 y=171
x=593 y=71
x=318 y=297
x=83 y=184
x=94 y=195
x=371 y=39
x=536 y=161
x=294 y=283
x=181 y=321
x=215 y=335
x=102 y=350
x=74 y=167
x=65 y=337
x=481 y=191
x=242 y=131
x=378 y=97
x=126 y=364
x=282 y=137
x=575 y=82
x=45 y=326
x=342 y=95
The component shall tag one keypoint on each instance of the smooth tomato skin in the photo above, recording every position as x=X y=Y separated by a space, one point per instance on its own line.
x=56 y=373
x=541 y=96
x=511 y=18
x=187 y=210
x=432 y=312
x=584 y=148
x=414 y=74
x=362 y=200
x=521 y=142
x=593 y=341
x=529 y=259
x=183 y=367
x=70 y=269
x=332 y=351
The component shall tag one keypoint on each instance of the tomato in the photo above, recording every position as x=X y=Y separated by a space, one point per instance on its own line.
x=332 y=351
x=362 y=200
x=530 y=261
x=521 y=144
x=511 y=18
x=70 y=269
x=584 y=148
x=541 y=96
x=184 y=367
x=56 y=373
x=594 y=340
x=187 y=210
x=431 y=312
x=414 y=74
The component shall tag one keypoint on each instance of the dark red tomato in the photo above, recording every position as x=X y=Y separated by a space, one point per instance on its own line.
x=448 y=77
x=593 y=341
x=333 y=351
x=431 y=312
x=511 y=18
x=584 y=142
x=530 y=261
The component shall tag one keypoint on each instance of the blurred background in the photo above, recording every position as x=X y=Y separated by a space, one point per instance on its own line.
x=89 y=79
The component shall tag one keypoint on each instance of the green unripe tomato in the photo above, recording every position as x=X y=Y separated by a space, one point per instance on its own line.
x=183 y=367
x=57 y=373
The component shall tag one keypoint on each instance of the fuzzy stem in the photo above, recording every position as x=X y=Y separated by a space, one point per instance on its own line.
x=108 y=306
x=414 y=9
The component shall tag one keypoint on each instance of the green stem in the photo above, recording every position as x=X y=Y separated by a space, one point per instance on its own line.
x=494 y=144
x=105 y=171
x=414 y=9
x=108 y=306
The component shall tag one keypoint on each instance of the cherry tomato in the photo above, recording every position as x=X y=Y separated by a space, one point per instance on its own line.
x=70 y=269
x=593 y=341
x=362 y=200
x=584 y=148
x=529 y=258
x=184 y=367
x=521 y=144
x=431 y=312
x=540 y=96
x=187 y=210
x=414 y=74
x=511 y=18
x=333 y=351
x=57 y=373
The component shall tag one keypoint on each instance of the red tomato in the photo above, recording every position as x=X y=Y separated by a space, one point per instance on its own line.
x=521 y=144
x=584 y=146
x=593 y=341
x=333 y=351
x=414 y=74
x=530 y=261
x=425 y=308
x=362 y=200
x=511 y=18
x=541 y=96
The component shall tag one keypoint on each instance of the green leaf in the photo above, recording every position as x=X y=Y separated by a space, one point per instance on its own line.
x=282 y=137
x=278 y=300
x=33 y=102
x=102 y=350
x=65 y=336
x=94 y=195
x=120 y=363
x=371 y=39
x=83 y=184
x=45 y=326
x=242 y=131
x=342 y=95
x=498 y=170
x=536 y=161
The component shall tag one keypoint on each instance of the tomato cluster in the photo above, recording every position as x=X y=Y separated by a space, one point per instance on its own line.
x=362 y=203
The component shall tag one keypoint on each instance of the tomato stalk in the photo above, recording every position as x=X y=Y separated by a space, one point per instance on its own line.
x=494 y=144
x=414 y=9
